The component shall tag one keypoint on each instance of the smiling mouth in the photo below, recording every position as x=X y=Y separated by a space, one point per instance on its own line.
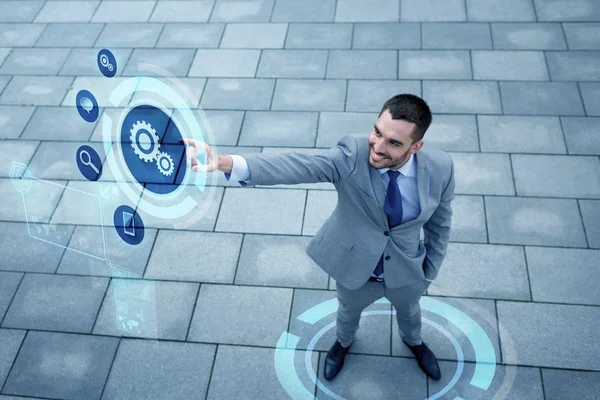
x=376 y=157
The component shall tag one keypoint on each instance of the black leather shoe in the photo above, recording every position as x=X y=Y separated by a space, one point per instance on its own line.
x=335 y=360
x=426 y=359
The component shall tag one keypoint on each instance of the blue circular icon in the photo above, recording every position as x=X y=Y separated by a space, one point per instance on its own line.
x=87 y=106
x=107 y=63
x=129 y=225
x=89 y=163
x=151 y=149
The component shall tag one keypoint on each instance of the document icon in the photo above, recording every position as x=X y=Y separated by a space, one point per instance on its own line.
x=128 y=224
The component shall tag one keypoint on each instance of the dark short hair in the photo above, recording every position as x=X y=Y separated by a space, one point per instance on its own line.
x=411 y=108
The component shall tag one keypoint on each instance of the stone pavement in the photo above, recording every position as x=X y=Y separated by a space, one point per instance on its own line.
x=515 y=90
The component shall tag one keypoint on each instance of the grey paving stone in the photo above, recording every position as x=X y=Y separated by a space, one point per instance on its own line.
x=267 y=260
x=4 y=52
x=371 y=95
x=581 y=135
x=430 y=64
x=528 y=36
x=190 y=90
x=81 y=361
x=84 y=62
x=452 y=133
x=129 y=35
x=124 y=11
x=567 y=10
x=166 y=370
x=574 y=65
x=57 y=123
x=19 y=11
x=243 y=210
x=175 y=62
x=504 y=134
x=182 y=11
x=534 y=221
x=24 y=252
x=166 y=308
x=191 y=35
x=432 y=10
x=333 y=126
x=309 y=95
x=564 y=384
x=509 y=381
x=227 y=125
x=466 y=272
x=10 y=342
x=406 y=35
x=15 y=150
x=255 y=316
x=20 y=35
x=279 y=128
x=373 y=11
x=242 y=11
x=319 y=206
x=241 y=370
x=292 y=64
x=43 y=200
x=563 y=275
x=305 y=11
x=583 y=36
x=56 y=303
x=462 y=97
x=362 y=64
x=449 y=35
x=316 y=185
x=572 y=326
x=100 y=87
x=112 y=113
x=67 y=11
x=88 y=240
x=319 y=36
x=500 y=10
x=510 y=65
x=541 y=98
x=70 y=35
x=35 y=90
x=4 y=82
x=254 y=36
x=590 y=92
x=34 y=62
x=483 y=174
x=8 y=287
x=225 y=63
x=468 y=220
x=483 y=312
x=590 y=212
x=556 y=176
x=214 y=259
x=57 y=160
x=238 y=94
x=393 y=375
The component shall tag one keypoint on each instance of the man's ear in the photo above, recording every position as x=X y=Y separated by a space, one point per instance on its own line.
x=417 y=146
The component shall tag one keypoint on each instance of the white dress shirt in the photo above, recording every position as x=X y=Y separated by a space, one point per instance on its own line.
x=407 y=182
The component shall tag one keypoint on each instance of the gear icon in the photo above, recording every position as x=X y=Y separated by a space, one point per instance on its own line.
x=165 y=164
x=145 y=141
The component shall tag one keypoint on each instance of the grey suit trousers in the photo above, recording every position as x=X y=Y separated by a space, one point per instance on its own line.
x=405 y=301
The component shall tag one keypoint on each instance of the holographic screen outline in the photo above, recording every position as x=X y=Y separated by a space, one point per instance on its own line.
x=485 y=356
x=26 y=175
x=155 y=86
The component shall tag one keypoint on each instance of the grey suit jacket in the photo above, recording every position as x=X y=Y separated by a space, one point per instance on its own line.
x=356 y=234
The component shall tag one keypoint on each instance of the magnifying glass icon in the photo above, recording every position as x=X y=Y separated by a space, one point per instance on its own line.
x=88 y=163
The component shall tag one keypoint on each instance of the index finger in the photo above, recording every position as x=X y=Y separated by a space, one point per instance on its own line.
x=190 y=142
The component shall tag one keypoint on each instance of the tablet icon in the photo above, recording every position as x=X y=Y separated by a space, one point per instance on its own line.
x=107 y=63
x=89 y=163
x=129 y=225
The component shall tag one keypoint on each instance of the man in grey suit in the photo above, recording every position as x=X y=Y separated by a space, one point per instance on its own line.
x=371 y=244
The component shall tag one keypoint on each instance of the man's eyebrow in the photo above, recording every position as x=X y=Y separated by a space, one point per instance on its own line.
x=391 y=140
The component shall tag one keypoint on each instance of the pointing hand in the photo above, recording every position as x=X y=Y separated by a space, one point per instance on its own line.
x=195 y=147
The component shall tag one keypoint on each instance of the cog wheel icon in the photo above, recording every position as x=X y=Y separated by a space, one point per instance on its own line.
x=145 y=141
x=165 y=164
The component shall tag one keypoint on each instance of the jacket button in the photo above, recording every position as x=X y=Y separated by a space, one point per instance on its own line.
x=386 y=233
x=387 y=257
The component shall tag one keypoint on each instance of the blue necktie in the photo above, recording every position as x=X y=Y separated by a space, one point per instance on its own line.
x=393 y=209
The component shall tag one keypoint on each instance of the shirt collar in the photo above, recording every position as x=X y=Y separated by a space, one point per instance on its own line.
x=404 y=170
